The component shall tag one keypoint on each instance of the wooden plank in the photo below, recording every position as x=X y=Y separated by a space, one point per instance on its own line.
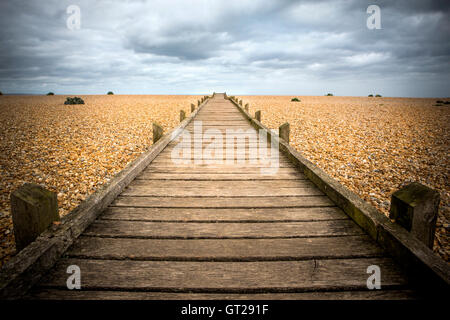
x=226 y=118
x=241 y=147
x=216 y=169
x=170 y=164
x=247 y=277
x=224 y=250
x=245 y=125
x=242 y=153
x=263 y=163
x=237 y=128
x=223 y=176
x=218 y=192
x=224 y=215
x=220 y=153
x=244 y=184
x=245 y=131
x=221 y=122
x=61 y=294
x=195 y=230
x=223 y=202
x=206 y=142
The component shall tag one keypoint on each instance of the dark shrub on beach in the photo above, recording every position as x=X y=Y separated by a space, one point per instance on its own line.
x=74 y=100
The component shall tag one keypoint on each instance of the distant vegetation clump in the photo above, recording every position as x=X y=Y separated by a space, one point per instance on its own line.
x=74 y=100
x=110 y=93
x=50 y=94
x=295 y=100
x=1 y=93
x=370 y=95
x=441 y=102
x=329 y=94
x=378 y=95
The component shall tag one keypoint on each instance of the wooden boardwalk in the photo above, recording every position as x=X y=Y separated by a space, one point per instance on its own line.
x=199 y=231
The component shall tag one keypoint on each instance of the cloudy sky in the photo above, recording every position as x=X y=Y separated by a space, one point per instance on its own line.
x=241 y=47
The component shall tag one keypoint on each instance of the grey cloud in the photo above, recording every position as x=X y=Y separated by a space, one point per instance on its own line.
x=182 y=47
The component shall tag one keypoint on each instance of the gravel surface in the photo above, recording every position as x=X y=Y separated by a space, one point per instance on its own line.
x=74 y=149
x=373 y=146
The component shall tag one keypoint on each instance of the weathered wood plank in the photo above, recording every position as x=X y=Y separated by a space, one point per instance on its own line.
x=192 y=166
x=61 y=294
x=244 y=184
x=224 y=215
x=206 y=147
x=217 y=170
x=180 y=230
x=248 y=277
x=223 y=202
x=240 y=130
x=168 y=162
x=237 y=154
x=223 y=176
x=211 y=122
x=222 y=153
x=224 y=250
x=218 y=192
x=226 y=117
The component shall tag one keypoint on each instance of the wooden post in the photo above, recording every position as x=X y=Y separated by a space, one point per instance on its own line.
x=192 y=107
x=415 y=207
x=284 y=131
x=158 y=132
x=240 y=103
x=246 y=107
x=182 y=115
x=258 y=115
x=198 y=103
x=225 y=94
x=33 y=210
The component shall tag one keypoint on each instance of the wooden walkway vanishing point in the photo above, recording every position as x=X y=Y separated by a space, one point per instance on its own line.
x=223 y=232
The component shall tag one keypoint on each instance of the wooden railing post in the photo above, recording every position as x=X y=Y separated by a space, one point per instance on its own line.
x=246 y=107
x=415 y=207
x=182 y=115
x=158 y=132
x=192 y=107
x=33 y=210
x=240 y=103
x=258 y=115
x=198 y=103
x=284 y=131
